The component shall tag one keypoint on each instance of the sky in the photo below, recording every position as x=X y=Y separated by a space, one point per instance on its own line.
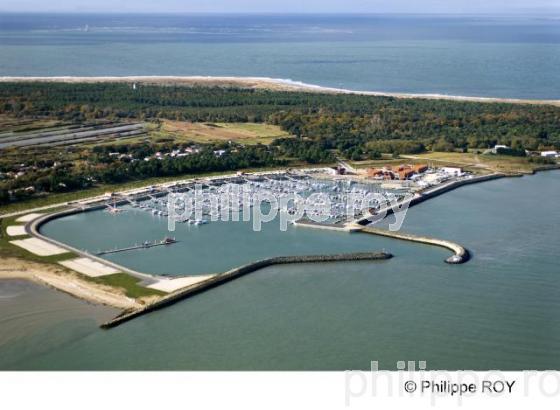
x=284 y=6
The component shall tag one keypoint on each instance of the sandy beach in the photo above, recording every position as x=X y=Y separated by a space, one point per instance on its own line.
x=67 y=282
x=265 y=83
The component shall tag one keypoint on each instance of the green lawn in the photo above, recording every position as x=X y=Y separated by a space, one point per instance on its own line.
x=8 y=250
x=120 y=280
x=128 y=283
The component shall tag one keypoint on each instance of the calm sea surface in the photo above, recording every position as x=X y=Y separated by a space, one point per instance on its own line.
x=498 y=311
x=476 y=56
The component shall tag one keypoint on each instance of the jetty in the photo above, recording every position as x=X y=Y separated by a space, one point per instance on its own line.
x=235 y=273
x=328 y=227
x=461 y=255
x=144 y=245
x=429 y=193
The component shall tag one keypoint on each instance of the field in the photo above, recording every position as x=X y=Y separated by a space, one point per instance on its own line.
x=476 y=163
x=243 y=133
x=42 y=133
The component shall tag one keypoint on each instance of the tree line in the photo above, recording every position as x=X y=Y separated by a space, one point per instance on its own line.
x=324 y=126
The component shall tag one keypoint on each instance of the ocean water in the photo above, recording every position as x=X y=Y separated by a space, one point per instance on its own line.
x=498 y=311
x=499 y=56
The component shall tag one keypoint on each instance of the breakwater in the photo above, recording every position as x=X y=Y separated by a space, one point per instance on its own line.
x=461 y=255
x=329 y=227
x=431 y=193
x=238 y=272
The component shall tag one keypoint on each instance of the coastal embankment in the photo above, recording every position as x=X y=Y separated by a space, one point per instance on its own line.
x=428 y=194
x=33 y=228
x=238 y=272
x=461 y=255
x=64 y=281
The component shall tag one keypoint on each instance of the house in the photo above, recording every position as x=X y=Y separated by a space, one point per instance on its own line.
x=374 y=172
x=550 y=154
x=337 y=171
x=420 y=168
x=453 y=171
x=405 y=173
x=402 y=171
x=497 y=147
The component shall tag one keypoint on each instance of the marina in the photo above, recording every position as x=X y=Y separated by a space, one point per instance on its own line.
x=246 y=195
x=368 y=304
x=233 y=197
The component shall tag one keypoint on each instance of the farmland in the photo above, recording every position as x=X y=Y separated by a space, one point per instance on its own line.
x=67 y=133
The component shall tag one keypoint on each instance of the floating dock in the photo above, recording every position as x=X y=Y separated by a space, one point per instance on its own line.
x=145 y=245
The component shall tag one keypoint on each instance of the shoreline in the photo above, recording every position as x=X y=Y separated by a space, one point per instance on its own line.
x=276 y=84
x=70 y=283
x=237 y=272
x=59 y=279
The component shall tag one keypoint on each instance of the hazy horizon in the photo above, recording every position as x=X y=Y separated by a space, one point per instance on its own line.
x=495 y=7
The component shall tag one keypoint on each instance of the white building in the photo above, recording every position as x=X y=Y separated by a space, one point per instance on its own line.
x=453 y=171
x=549 y=154
x=497 y=147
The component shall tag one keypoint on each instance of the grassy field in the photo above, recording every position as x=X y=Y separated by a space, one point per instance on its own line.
x=119 y=280
x=480 y=163
x=476 y=163
x=243 y=133
x=128 y=283
x=9 y=250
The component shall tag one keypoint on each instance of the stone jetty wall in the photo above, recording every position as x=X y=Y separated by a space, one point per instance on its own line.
x=461 y=255
x=238 y=272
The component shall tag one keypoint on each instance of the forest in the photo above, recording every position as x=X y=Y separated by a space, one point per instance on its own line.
x=342 y=121
x=324 y=126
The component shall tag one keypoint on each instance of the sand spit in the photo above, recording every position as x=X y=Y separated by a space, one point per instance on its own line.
x=265 y=83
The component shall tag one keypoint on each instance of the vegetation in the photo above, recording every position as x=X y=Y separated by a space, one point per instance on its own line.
x=334 y=117
x=120 y=280
x=478 y=163
x=324 y=125
x=128 y=283
x=248 y=133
